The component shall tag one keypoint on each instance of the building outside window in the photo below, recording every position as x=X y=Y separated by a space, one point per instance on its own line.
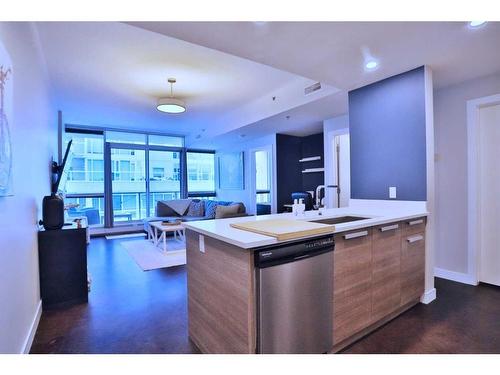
x=86 y=173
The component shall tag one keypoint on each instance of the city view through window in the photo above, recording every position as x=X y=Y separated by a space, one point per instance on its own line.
x=130 y=184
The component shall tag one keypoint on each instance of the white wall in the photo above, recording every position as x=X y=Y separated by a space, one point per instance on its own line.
x=245 y=195
x=33 y=132
x=331 y=127
x=450 y=129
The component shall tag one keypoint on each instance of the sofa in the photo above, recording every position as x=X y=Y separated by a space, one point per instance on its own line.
x=195 y=209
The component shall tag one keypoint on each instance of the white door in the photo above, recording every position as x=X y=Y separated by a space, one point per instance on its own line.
x=489 y=172
x=343 y=176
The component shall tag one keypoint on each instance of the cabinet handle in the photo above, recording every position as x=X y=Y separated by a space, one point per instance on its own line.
x=416 y=238
x=356 y=235
x=389 y=227
x=415 y=222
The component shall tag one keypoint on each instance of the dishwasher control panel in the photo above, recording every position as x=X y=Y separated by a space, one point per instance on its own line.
x=279 y=254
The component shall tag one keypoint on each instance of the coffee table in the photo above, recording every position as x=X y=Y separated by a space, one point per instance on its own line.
x=159 y=233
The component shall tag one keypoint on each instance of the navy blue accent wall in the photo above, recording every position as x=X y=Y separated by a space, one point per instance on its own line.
x=290 y=179
x=387 y=135
x=288 y=172
x=312 y=145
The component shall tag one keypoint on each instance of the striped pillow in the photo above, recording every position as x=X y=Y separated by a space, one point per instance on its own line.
x=210 y=208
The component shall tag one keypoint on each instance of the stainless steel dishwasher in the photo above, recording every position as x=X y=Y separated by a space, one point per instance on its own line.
x=295 y=297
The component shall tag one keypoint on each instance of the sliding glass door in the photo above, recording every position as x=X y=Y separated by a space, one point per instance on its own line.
x=128 y=183
x=164 y=176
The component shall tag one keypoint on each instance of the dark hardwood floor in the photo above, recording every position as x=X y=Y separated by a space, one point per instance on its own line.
x=131 y=311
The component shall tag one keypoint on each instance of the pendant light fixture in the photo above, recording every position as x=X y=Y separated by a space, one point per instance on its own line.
x=171 y=104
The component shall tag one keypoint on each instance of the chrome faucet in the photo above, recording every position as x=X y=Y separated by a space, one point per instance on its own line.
x=317 y=195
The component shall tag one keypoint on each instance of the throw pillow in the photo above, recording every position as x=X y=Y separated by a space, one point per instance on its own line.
x=196 y=208
x=162 y=209
x=210 y=207
x=179 y=205
x=226 y=211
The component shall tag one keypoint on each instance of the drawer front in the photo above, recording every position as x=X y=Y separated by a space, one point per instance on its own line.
x=351 y=285
x=386 y=269
x=414 y=226
x=412 y=267
x=353 y=239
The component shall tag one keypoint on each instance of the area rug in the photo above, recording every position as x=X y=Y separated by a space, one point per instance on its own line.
x=149 y=257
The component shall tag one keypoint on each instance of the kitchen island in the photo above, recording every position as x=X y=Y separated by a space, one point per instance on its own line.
x=378 y=272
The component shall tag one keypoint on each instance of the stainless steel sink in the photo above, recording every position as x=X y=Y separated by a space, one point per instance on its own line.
x=340 y=219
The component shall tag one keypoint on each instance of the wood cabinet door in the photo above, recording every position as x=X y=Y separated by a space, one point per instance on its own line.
x=386 y=270
x=352 y=278
x=412 y=266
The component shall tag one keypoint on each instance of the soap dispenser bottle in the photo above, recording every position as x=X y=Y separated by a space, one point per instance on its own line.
x=295 y=207
x=301 y=207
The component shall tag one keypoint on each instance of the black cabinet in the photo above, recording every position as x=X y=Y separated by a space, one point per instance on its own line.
x=62 y=258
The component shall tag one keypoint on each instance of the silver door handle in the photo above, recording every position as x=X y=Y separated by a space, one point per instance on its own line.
x=416 y=238
x=415 y=222
x=389 y=227
x=350 y=236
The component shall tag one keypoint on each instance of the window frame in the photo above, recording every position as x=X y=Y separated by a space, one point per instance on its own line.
x=107 y=194
x=198 y=194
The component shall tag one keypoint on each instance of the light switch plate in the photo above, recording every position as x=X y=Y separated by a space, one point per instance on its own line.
x=202 y=243
x=392 y=192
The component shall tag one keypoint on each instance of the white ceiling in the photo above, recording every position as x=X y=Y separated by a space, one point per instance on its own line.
x=333 y=52
x=111 y=74
x=303 y=120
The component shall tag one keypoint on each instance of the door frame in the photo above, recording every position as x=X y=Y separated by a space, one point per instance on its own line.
x=473 y=184
x=272 y=173
x=330 y=174
x=108 y=182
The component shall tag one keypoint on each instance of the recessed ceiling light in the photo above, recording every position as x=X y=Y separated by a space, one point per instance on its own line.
x=371 y=65
x=476 y=24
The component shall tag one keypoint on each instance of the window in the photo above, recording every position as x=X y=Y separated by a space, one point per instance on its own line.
x=158 y=173
x=130 y=154
x=95 y=170
x=262 y=177
x=164 y=140
x=200 y=173
x=176 y=174
x=122 y=137
x=84 y=186
x=77 y=169
x=164 y=176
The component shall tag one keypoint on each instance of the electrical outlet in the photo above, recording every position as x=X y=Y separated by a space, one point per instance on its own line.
x=392 y=192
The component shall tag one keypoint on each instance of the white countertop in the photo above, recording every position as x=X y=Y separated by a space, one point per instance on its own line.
x=378 y=212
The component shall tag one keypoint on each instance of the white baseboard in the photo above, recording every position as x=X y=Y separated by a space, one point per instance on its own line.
x=34 y=325
x=428 y=296
x=454 y=276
